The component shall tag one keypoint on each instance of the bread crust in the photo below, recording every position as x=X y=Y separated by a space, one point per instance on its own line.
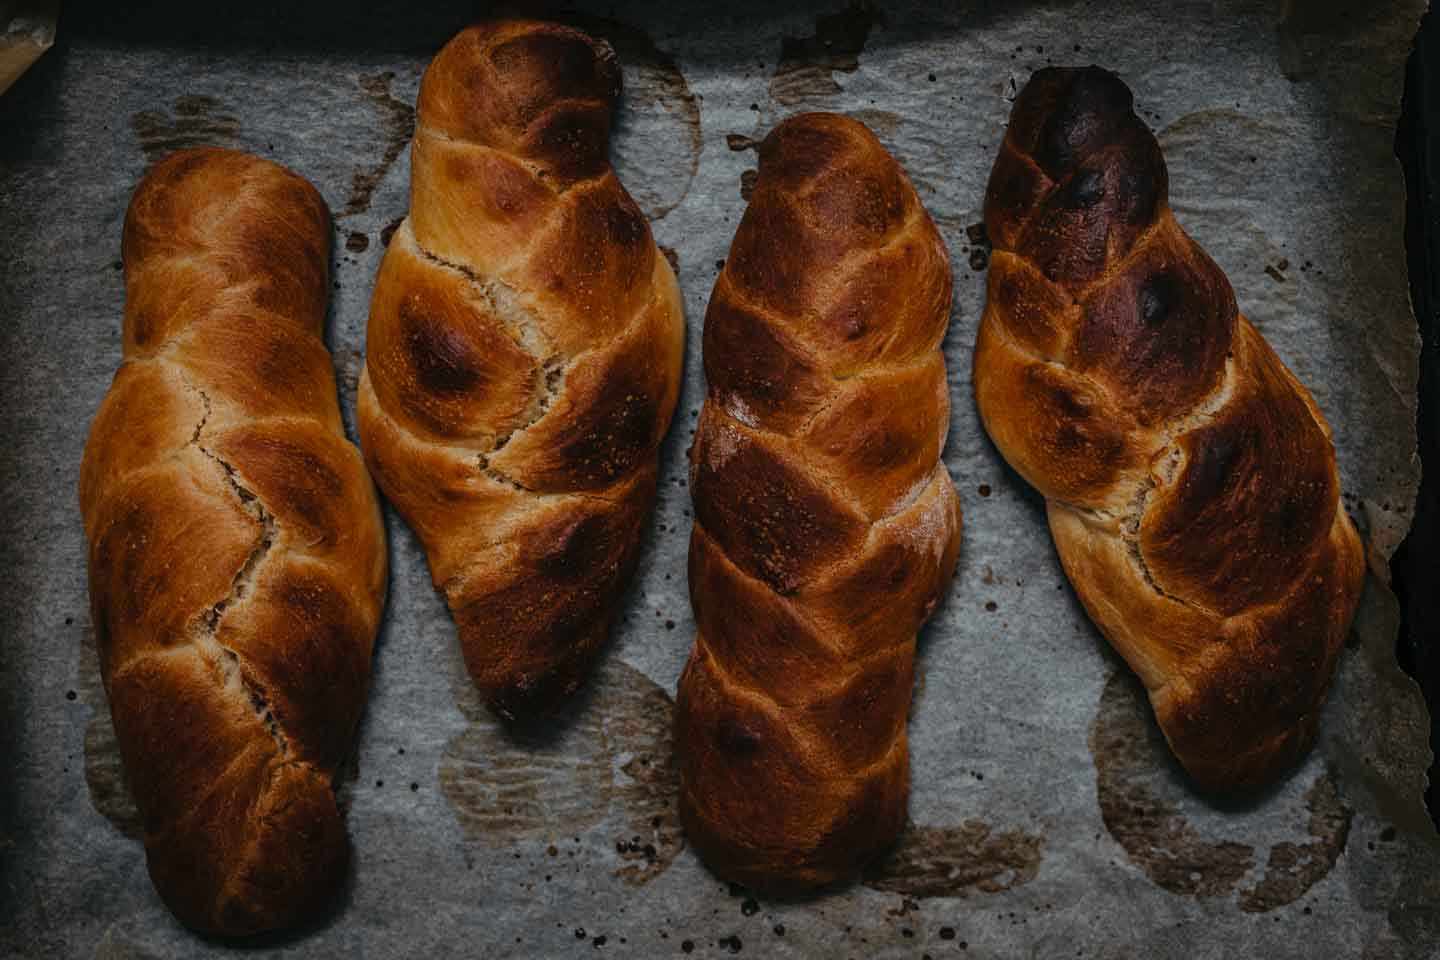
x=523 y=357
x=1190 y=481
x=826 y=527
x=236 y=552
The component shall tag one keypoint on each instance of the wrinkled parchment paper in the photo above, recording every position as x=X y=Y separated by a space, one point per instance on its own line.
x=1048 y=818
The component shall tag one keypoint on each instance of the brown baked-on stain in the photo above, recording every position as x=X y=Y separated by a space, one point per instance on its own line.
x=605 y=761
x=804 y=72
x=952 y=861
x=654 y=86
x=672 y=257
x=197 y=121
x=397 y=126
x=1129 y=751
x=748 y=179
x=104 y=776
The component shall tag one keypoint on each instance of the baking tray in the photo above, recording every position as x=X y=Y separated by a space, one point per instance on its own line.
x=1048 y=818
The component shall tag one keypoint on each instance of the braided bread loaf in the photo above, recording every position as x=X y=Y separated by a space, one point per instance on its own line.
x=524 y=357
x=1190 y=480
x=237 y=558
x=826 y=527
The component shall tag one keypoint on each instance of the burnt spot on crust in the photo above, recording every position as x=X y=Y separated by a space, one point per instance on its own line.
x=550 y=63
x=445 y=362
x=771 y=518
x=544 y=90
x=754 y=371
x=550 y=592
x=1255 y=490
x=1159 y=331
x=1099 y=214
x=1063 y=114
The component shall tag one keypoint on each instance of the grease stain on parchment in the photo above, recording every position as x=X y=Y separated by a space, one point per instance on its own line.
x=1131 y=760
x=658 y=109
x=882 y=123
x=606 y=761
x=397 y=126
x=104 y=776
x=933 y=861
x=196 y=121
x=808 y=64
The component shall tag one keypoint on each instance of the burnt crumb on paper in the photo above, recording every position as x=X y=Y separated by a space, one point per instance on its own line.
x=670 y=254
x=739 y=142
x=1129 y=749
x=357 y=242
x=607 y=763
x=397 y=126
x=748 y=179
x=951 y=861
x=657 y=107
x=196 y=121
x=387 y=232
x=808 y=64
x=979 y=246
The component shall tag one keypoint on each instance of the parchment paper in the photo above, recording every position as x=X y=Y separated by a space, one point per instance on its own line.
x=1048 y=818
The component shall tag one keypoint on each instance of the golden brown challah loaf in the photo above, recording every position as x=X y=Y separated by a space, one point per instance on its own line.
x=524 y=357
x=237 y=558
x=1190 y=481
x=826 y=527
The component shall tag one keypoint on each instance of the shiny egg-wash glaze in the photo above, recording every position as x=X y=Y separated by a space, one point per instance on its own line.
x=523 y=358
x=237 y=558
x=826 y=527
x=1190 y=481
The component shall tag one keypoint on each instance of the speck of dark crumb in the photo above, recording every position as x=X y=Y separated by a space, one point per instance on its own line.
x=687 y=946
x=401 y=751
x=906 y=932
x=552 y=851
x=931 y=78
x=357 y=242
x=983 y=490
x=117 y=265
x=749 y=907
x=379 y=783
x=70 y=694
x=414 y=787
x=731 y=943
x=755 y=107
x=579 y=933
x=1307 y=911
x=948 y=933
x=69 y=621
x=669 y=624
x=779 y=929
x=1077 y=48
x=598 y=942
x=719 y=265
x=991 y=606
